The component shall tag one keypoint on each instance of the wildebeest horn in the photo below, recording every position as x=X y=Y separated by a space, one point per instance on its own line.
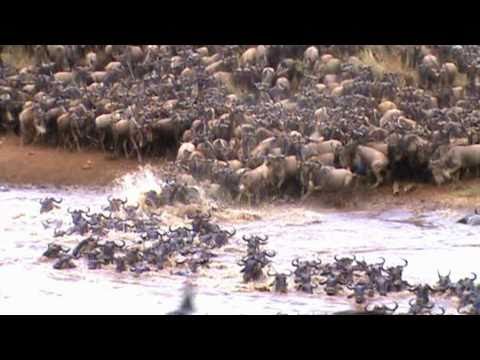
x=392 y=310
x=336 y=258
x=241 y=263
x=180 y=262
x=231 y=233
x=70 y=212
x=122 y=244
x=413 y=288
x=295 y=262
x=410 y=302
x=124 y=201
x=270 y=253
x=270 y=273
x=244 y=237
x=442 y=309
x=474 y=276
x=65 y=249
x=383 y=261
x=429 y=306
x=57 y=201
x=406 y=262
x=106 y=217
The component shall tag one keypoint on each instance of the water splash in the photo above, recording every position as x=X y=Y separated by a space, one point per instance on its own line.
x=133 y=184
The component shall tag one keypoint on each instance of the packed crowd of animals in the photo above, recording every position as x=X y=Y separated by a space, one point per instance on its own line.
x=152 y=246
x=257 y=119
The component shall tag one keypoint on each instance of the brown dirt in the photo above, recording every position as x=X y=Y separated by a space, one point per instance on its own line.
x=42 y=165
x=422 y=197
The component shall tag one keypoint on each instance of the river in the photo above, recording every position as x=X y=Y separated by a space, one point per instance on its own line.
x=28 y=285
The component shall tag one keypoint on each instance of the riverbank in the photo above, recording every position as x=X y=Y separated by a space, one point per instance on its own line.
x=39 y=165
x=44 y=166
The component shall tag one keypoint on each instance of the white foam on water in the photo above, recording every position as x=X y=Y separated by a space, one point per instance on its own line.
x=133 y=184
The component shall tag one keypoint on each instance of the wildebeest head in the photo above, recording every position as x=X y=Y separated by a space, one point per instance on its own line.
x=152 y=199
x=115 y=205
x=419 y=309
x=77 y=216
x=253 y=267
x=93 y=259
x=65 y=262
x=468 y=283
x=108 y=249
x=331 y=285
x=48 y=204
x=381 y=309
x=422 y=293
x=396 y=273
x=444 y=283
x=280 y=281
x=131 y=210
x=254 y=242
x=383 y=284
x=359 y=292
x=54 y=251
x=85 y=246
x=133 y=256
x=120 y=264
x=139 y=268
x=344 y=262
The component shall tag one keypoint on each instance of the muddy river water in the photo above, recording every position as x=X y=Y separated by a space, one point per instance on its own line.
x=28 y=285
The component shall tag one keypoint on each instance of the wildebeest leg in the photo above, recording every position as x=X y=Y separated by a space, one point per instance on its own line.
x=125 y=148
x=239 y=196
x=102 y=137
x=456 y=176
x=116 y=149
x=137 y=149
x=378 y=176
x=249 y=199
x=308 y=193
x=77 y=141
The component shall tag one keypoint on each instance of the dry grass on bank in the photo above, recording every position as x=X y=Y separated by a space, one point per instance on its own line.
x=382 y=61
x=16 y=56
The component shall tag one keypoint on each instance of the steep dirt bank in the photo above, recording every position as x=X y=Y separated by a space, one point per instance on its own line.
x=41 y=165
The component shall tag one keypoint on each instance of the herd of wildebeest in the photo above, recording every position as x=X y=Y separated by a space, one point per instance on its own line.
x=257 y=119
x=152 y=246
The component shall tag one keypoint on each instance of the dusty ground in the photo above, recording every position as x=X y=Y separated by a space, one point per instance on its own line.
x=39 y=165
